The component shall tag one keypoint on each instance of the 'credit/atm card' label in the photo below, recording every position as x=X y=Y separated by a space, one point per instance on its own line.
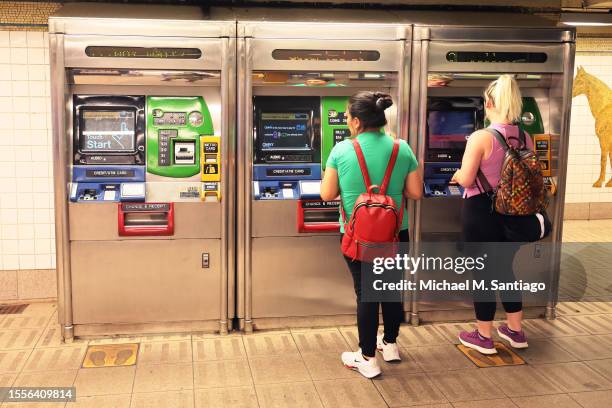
x=287 y=172
x=107 y=173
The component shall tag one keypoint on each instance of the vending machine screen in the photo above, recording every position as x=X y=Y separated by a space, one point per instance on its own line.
x=285 y=131
x=104 y=131
x=448 y=130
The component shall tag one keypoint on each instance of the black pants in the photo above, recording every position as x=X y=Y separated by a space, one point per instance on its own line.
x=367 y=312
x=480 y=224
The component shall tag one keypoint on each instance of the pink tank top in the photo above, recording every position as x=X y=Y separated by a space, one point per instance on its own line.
x=491 y=166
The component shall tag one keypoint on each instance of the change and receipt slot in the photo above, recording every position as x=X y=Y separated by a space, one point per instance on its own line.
x=451 y=68
x=142 y=119
x=296 y=82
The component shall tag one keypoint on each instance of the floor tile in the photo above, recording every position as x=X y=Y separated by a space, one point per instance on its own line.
x=557 y=401
x=153 y=338
x=440 y=358
x=350 y=335
x=594 y=324
x=278 y=369
x=327 y=366
x=521 y=381
x=34 y=405
x=13 y=360
x=42 y=308
x=58 y=358
x=116 y=340
x=7 y=379
x=603 y=367
x=314 y=341
x=17 y=322
x=409 y=390
x=574 y=377
x=543 y=351
x=288 y=395
x=19 y=339
x=163 y=377
x=222 y=373
x=231 y=397
x=220 y=348
x=102 y=401
x=418 y=336
x=595 y=399
x=52 y=337
x=587 y=347
x=169 y=352
x=105 y=380
x=64 y=378
x=465 y=385
x=561 y=327
x=406 y=366
x=166 y=399
x=355 y=393
x=269 y=344
x=494 y=403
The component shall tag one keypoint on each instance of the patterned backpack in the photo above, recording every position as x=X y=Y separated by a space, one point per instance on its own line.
x=521 y=186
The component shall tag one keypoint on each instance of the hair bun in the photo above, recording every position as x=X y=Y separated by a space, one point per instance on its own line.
x=383 y=101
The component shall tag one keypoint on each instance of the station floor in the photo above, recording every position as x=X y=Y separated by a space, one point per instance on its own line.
x=568 y=364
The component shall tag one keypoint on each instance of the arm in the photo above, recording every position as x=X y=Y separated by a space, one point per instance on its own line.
x=474 y=152
x=330 y=188
x=413 y=189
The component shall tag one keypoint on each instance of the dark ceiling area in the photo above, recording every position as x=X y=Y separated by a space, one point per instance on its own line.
x=546 y=6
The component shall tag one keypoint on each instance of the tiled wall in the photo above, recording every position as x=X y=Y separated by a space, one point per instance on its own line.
x=26 y=183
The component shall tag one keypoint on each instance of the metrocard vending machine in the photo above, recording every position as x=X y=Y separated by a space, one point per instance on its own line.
x=141 y=122
x=293 y=111
x=452 y=69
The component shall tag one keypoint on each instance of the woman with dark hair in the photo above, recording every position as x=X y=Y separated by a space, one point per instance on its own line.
x=343 y=176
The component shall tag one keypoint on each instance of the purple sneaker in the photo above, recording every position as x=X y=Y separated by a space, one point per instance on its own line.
x=516 y=339
x=478 y=342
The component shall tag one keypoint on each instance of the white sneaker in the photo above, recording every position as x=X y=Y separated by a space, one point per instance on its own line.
x=355 y=361
x=389 y=351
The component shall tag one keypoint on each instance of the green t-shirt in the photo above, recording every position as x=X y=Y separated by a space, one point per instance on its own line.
x=376 y=147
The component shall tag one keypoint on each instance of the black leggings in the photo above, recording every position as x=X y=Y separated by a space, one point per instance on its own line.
x=480 y=224
x=367 y=312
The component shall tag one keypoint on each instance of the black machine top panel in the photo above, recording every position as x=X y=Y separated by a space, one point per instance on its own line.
x=450 y=120
x=287 y=129
x=109 y=129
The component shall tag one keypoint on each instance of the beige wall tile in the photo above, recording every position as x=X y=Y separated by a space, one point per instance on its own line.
x=8 y=285
x=600 y=211
x=37 y=283
x=576 y=211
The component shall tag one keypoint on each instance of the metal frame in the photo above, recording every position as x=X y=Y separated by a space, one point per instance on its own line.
x=426 y=37
x=70 y=30
x=255 y=42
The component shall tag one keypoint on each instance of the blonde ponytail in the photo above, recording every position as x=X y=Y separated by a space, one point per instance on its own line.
x=506 y=96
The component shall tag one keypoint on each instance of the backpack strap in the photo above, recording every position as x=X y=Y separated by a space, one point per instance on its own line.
x=480 y=175
x=390 y=166
x=362 y=164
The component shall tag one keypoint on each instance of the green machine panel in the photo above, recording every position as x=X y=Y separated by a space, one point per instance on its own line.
x=333 y=124
x=174 y=127
x=531 y=119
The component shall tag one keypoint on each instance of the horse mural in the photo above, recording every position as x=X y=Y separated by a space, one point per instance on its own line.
x=599 y=96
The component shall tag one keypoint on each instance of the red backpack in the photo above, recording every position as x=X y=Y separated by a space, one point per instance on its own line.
x=372 y=231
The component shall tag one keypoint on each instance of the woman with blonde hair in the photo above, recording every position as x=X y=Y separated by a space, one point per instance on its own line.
x=480 y=223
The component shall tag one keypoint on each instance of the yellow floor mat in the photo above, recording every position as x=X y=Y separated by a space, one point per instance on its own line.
x=504 y=356
x=111 y=355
